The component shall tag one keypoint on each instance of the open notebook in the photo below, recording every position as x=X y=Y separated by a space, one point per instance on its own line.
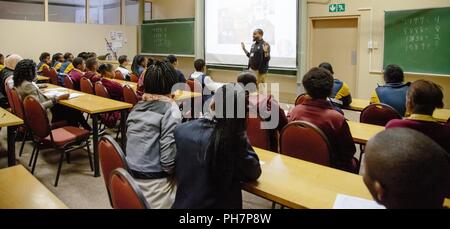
x=50 y=93
x=350 y=202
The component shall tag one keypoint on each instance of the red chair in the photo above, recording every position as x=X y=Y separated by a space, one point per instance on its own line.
x=8 y=93
x=379 y=114
x=305 y=141
x=264 y=139
x=191 y=84
x=134 y=78
x=86 y=86
x=111 y=158
x=64 y=139
x=119 y=76
x=17 y=107
x=53 y=75
x=68 y=83
x=46 y=71
x=300 y=99
x=125 y=193
x=129 y=96
x=101 y=90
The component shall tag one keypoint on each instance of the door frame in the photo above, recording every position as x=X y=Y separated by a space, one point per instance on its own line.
x=358 y=45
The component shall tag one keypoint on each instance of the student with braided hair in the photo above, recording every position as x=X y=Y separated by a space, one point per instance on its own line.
x=151 y=148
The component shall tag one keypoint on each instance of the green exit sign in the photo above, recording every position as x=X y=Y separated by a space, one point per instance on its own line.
x=335 y=8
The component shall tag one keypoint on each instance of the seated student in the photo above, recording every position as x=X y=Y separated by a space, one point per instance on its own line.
x=123 y=62
x=106 y=71
x=406 y=170
x=318 y=83
x=205 y=81
x=173 y=60
x=214 y=155
x=78 y=72
x=423 y=98
x=139 y=65
x=341 y=91
x=260 y=102
x=151 y=148
x=57 y=60
x=2 y=62
x=67 y=66
x=45 y=61
x=394 y=92
x=10 y=64
x=24 y=77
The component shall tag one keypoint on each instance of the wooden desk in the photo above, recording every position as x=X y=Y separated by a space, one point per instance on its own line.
x=11 y=122
x=442 y=115
x=299 y=184
x=20 y=190
x=362 y=133
x=95 y=105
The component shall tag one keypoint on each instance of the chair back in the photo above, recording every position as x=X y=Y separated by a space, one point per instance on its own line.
x=134 y=78
x=379 y=114
x=68 y=83
x=8 y=93
x=46 y=71
x=191 y=84
x=101 y=90
x=53 y=75
x=119 y=75
x=36 y=117
x=264 y=139
x=125 y=193
x=17 y=104
x=300 y=99
x=86 y=86
x=129 y=96
x=305 y=141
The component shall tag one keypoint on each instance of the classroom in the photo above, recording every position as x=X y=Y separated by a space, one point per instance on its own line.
x=210 y=104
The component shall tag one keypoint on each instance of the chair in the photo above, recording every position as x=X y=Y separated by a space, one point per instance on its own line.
x=264 y=139
x=46 y=71
x=134 y=78
x=125 y=193
x=191 y=84
x=17 y=107
x=101 y=90
x=68 y=83
x=119 y=75
x=300 y=99
x=62 y=139
x=379 y=114
x=129 y=96
x=111 y=158
x=8 y=93
x=53 y=75
x=86 y=86
x=305 y=141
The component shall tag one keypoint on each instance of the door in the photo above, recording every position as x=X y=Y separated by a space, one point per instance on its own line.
x=336 y=41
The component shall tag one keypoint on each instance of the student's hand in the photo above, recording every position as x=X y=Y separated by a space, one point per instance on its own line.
x=63 y=97
x=243 y=45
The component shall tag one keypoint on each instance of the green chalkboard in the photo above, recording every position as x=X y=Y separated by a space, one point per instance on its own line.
x=168 y=37
x=418 y=40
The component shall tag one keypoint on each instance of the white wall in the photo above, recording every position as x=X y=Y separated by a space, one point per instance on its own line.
x=30 y=38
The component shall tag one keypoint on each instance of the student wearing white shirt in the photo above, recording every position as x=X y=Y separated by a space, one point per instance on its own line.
x=202 y=78
x=123 y=62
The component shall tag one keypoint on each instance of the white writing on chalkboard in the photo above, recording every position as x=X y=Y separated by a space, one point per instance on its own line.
x=422 y=33
x=160 y=37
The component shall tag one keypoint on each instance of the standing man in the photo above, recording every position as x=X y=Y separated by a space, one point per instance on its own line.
x=259 y=56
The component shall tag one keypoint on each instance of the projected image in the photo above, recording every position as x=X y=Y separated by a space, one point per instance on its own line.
x=228 y=23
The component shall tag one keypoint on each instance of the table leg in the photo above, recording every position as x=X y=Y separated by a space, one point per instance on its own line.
x=123 y=129
x=11 y=145
x=95 y=143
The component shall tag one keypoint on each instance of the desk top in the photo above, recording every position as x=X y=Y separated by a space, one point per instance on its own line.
x=362 y=133
x=8 y=119
x=91 y=104
x=299 y=184
x=21 y=190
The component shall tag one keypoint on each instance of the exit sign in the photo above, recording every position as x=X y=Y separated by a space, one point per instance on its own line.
x=335 y=8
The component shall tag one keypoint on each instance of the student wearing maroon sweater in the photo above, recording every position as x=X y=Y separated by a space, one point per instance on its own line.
x=114 y=89
x=318 y=111
x=78 y=72
x=422 y=99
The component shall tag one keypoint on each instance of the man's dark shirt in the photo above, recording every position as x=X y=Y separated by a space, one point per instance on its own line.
x=257 y=60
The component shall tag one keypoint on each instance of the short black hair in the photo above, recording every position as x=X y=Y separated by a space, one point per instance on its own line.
x=103 y=68
x=44 y=56
x=424 y=97
x=77 y=61
x=67 y=56
x=122 y=59
x=327 y=66
x=393 y=74
x=318 y=83
x=171 y=59
x=199 y=65
x=248 y=78
x=25 y=71
x=83 y=55
x=160 y=78
x=92 y=55
x=260 y=31
x=90 y=63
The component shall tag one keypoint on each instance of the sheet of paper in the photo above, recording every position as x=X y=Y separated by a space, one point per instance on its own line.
x=75 y=95
x=350 y=202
